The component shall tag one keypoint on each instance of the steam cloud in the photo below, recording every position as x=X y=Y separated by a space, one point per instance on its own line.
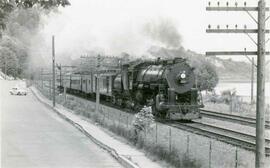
x=111 y=32
x=163 y=31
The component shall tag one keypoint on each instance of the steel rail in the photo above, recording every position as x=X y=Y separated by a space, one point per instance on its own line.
x=232 y=118
x=240 y=139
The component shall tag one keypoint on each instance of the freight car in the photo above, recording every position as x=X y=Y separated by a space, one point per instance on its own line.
x=166 y=85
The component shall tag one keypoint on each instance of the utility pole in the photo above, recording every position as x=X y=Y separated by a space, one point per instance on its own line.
x=59 y=67
x=97 y=85
x=260 y=105
x=53 y=70
x=252 y=80
x=261 y=31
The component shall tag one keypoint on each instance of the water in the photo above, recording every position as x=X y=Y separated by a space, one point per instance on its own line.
x=243 y=89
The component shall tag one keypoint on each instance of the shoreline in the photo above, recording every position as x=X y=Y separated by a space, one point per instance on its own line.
x=238 y=81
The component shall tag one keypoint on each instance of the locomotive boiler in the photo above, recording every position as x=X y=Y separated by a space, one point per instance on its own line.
x=168 y=86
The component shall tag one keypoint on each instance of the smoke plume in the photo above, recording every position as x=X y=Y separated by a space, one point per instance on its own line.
x=163 y=31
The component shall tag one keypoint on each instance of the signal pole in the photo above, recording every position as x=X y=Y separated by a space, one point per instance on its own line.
x=261 y=31
x=53 y=70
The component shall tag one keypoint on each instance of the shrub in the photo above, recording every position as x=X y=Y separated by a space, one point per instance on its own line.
x=143 y=119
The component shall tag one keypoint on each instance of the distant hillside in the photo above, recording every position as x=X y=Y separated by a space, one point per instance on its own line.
x=227 y=69
x=230 y=70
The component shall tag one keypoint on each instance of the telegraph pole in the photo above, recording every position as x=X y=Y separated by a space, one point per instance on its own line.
x=261 y=31
x=97 y=85
x=53 y=70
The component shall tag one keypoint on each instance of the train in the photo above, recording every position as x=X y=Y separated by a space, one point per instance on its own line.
x=168 y=86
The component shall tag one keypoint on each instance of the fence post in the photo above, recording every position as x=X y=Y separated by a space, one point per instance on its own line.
x=65 y=94
x=50 y=88
x=145 y=135
x=236 y=158
x=108 y=117
x=267 y=113
x=41 y=81
x=113 y=120
x=103 y=109
x=170 y=139
x=188 y=145
x=119 y=119
x=210 y=153
x=231 y=105
x=127 y=121
x=156 y=134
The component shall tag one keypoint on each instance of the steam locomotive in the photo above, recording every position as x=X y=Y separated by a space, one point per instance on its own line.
x=166 y=85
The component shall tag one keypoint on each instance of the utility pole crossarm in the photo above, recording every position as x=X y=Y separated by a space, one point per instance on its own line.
x=234 y=31
x=214 y=53
x=234 y=9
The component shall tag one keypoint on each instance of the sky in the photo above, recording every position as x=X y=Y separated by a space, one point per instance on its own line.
x=115 y=26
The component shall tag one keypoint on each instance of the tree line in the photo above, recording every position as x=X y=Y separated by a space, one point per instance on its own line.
x=19 y=20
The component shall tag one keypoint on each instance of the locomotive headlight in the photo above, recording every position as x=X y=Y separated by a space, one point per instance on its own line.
x=183 y=75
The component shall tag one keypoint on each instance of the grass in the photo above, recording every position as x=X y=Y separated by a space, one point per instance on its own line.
x=155 y=150
x=120 y=123
x=119 y=127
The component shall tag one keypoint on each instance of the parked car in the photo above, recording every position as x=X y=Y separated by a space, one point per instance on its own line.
x=18 y=91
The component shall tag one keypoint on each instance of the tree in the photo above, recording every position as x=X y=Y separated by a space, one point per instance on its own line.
x=19 y=51
x=19 y=22
x=9 y=61
x=7 y=6
x=207 y=77
x=143 y=119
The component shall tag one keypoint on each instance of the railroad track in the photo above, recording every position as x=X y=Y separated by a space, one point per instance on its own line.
x=233 y=137
x=232 y=118
x=243 y=140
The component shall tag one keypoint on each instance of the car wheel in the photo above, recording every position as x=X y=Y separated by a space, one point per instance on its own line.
x=18 y=93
